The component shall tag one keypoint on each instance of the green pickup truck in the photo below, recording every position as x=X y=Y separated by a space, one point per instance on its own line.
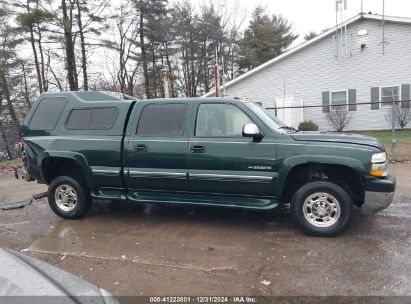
x=199 y=151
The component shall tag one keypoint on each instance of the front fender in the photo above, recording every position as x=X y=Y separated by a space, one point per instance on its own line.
x=292 y=161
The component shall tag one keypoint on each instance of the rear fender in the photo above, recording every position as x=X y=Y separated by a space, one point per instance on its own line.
x=77 y=157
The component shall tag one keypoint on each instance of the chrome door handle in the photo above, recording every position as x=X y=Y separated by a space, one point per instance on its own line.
x=197 y=149
x=141 y=148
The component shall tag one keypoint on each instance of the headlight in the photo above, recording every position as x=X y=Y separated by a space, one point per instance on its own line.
x=379 y=158
x=379 y=164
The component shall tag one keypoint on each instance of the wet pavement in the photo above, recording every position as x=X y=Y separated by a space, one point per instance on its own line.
x=130 y=249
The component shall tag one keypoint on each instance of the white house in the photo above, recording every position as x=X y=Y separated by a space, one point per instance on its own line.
x=367 y=59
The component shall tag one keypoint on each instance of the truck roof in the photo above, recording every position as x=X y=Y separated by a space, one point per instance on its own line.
x=109 y=96
x=198 y=99
x=92 y=96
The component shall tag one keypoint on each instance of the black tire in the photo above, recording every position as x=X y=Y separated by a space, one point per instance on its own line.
x=83 y=201
x=311 y=223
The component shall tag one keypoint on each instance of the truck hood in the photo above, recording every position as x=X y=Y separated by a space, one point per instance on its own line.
x=346 y=138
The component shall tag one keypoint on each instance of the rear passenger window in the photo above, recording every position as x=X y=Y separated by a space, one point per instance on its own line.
x=103 y=118
x=79 y=119
x=92 y=119
x=162 y=120
x=47 y=113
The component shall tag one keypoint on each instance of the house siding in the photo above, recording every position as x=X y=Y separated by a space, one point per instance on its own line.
x=315 y=69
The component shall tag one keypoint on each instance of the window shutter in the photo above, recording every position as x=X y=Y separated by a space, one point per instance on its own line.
x=326 y=101
x=405 y=95
x=375 y=98
x=352 y=99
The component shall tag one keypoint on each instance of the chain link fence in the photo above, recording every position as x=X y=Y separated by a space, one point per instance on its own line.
x=9 y=137
x=389 y=121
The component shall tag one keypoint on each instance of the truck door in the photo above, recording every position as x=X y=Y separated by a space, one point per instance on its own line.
x=156 y=148
x=222 y=160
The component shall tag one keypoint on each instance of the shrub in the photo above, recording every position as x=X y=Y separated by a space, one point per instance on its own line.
x=338 y=117
x=307 y=126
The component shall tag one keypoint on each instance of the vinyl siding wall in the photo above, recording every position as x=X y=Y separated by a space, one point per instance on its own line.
x=315 y=69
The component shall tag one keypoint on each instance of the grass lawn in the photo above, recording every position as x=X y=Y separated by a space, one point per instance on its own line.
x=8 y=163
x=403 y=136
x=403 y=142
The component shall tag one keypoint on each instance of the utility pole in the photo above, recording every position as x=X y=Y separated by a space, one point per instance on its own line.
x=393 y=135
x=166 y=83
x=217 y=80
x=383 y=27
x=223 y=74
x=217 y=75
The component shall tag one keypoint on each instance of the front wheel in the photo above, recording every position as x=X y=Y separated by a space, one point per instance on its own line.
x=321 y=208
x=68 y=198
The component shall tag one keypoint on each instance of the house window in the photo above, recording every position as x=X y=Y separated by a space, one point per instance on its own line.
x=388 y=95
x=338 y=99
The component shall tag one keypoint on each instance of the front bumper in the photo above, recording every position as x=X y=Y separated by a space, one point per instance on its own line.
x=379 y=193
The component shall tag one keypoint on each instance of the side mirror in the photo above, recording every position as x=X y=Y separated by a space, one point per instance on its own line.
x=251 y=130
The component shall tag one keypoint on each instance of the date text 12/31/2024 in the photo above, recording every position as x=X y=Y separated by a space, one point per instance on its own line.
x=203 y=299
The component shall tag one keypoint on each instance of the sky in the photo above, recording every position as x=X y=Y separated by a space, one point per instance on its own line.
x=305 y=16
x=316 y=15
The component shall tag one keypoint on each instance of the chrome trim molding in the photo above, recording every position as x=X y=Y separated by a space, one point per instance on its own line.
x=134 y=173
x=231 y=177
x=106 y=172
x=203 y=176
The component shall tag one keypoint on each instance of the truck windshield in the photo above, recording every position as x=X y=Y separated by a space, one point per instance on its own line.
x=269 y=119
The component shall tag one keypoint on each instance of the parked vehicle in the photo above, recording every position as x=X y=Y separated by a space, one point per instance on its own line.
x=25 y=279
x=200 y=151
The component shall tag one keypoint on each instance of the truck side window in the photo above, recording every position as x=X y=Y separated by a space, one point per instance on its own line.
x=47 y=113
x=220 y=120
x=79 y=119
x=92 y=119
x=162 y=120
x=103 y=118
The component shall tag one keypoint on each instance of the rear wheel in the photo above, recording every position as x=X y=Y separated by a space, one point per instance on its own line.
x=68 y=198
x=321 y=208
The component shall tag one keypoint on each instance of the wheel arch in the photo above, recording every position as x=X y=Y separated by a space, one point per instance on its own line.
x=296 y=171
x=55 y=163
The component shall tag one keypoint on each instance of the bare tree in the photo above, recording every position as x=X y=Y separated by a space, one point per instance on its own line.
x=402 y=114
x=140 y=5
x=90 y=21
x=338 y=117
x=125 y=45
x=26 y=88
x=69 y=44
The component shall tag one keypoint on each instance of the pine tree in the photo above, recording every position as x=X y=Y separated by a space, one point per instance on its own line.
x=265 y=38
x=33 y=21
x=67 y=23
x=89 y=16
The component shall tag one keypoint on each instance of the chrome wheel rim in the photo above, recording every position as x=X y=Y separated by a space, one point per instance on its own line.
x=321 y=209
x=65 y=197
